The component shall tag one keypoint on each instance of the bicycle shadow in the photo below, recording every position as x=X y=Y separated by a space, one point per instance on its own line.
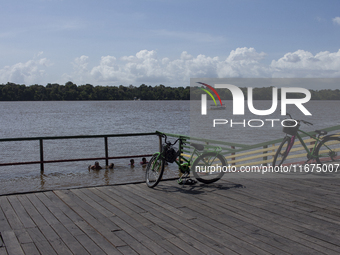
x=198 y=188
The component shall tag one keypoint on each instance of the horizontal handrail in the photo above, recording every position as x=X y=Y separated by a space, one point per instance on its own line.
x=42 y=161
x=72 y=137
x=204 y=140
x=245 y=146
x=240 y=154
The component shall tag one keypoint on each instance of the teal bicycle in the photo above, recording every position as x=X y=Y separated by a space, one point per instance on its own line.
x=326 y=148
x=207 y=167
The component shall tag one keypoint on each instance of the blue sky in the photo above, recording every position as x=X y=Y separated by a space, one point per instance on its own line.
x=166 y=42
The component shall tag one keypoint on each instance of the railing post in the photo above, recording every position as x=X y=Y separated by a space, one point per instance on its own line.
x=180 y=151
x=160 y=143
x=265 y=152
x=41 y=156
x=312 y=143
x=106 y=151
x=233 y=148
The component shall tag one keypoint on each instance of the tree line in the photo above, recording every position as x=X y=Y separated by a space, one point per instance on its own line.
x=70 y=91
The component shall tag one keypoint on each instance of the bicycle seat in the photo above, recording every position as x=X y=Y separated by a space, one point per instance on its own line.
x=321 y=132
x=199 y=147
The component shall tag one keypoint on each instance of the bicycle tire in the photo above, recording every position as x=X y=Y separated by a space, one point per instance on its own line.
x=154 y=170
x=328 y=150
x=202 y=161
x=281 y=153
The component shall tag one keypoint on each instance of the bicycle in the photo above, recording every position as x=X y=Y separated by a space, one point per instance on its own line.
x=326 y=149
x=207 y=157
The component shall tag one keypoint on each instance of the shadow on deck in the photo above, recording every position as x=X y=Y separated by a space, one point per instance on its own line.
x=246 y=216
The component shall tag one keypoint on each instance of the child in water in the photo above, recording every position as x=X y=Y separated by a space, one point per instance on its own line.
x=96 y=166
x=144 y=162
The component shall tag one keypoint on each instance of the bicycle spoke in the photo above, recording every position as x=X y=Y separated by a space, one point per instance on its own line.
x=281 y=153
x=328 y=151
x=154 y=170
x=208 y=167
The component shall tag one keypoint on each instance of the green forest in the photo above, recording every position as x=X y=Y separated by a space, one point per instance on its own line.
x=70 y=91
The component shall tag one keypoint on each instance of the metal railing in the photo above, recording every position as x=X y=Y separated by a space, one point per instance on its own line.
x=235 y=154
x=41 y=140
x=256 y=154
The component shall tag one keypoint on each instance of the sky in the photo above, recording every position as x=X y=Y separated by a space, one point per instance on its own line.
x=106 y=42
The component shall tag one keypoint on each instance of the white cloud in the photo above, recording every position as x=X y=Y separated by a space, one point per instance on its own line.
x=186 y=56
x=243 y=62
x=336 y=20
x=245 y=54
x=80 y=71
x=28 y=73
x=145 y=54
x=146 y=67
x=304 y=64
x=108 y=70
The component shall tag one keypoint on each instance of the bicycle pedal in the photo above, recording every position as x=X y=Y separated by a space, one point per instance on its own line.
x=188 y=182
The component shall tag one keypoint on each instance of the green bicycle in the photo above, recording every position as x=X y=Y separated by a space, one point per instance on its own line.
x=207 y=166
x=326 y=149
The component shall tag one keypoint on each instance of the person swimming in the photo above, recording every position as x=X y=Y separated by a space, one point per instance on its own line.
x=96 y=166
x=144 y=162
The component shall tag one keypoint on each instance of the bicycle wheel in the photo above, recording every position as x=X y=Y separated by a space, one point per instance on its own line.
x=154 y=170
x=208 y=167
x=282 y=152
x=328 y=150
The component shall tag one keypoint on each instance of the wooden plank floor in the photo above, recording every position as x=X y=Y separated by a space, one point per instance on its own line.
x=245 y=216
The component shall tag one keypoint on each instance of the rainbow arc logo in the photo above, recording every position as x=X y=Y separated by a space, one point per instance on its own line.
x=204 y=97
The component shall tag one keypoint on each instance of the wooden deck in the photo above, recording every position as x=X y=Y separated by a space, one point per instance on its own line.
x=245 y=216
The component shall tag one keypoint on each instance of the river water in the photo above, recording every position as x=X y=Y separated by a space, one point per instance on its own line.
x=63 y=118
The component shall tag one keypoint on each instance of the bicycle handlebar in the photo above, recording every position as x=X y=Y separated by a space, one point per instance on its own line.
x=303 y=121
x=169 y=143
x=306 y=122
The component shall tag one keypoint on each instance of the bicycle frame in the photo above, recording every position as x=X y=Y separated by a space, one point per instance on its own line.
x=309 y=152
x=185 y=167
x=200 y=155
x=197 y=153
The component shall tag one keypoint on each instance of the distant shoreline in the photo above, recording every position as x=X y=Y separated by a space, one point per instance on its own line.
x=88 y=92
